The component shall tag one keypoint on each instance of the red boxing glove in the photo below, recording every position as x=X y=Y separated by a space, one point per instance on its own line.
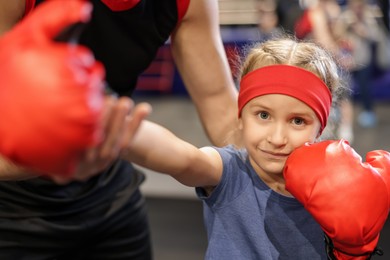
x=348 y=198
x=51 y=95
x=120 y=5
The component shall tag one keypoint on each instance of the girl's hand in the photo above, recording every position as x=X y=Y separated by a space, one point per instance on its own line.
x=121 y=121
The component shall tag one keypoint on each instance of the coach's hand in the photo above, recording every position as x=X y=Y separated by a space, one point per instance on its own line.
x=121 y=122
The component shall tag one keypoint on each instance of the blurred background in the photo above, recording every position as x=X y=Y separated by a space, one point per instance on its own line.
x=363 y=117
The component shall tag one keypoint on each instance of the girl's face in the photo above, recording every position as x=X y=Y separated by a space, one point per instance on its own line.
x=272 y=127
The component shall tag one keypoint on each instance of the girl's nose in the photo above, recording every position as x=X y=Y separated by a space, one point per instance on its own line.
x=278 y=135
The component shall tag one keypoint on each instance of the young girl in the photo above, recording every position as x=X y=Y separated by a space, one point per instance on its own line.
x=285 y=97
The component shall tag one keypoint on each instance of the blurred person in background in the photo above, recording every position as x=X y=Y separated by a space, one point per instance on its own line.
x=289 y=11
x=318 y=23
x=269 y=21
x=362 y=28
x=385 y=9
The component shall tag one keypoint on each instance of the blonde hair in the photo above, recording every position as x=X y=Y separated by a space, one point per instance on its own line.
x=306 y=55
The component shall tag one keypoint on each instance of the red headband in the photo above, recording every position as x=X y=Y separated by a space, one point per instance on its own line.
x=287 y=80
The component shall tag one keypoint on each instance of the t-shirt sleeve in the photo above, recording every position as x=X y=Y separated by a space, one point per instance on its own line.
x=234 y=178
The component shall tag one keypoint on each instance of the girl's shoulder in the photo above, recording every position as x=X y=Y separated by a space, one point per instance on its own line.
x=230 y=152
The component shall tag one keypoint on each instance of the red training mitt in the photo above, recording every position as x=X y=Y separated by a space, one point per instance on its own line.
x=51 y=95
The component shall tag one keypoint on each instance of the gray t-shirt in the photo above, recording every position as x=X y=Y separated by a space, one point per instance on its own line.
x=247 y=220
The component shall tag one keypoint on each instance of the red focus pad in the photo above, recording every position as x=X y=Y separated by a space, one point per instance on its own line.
x=120 y=5
x=51 y=95
x=348 y=198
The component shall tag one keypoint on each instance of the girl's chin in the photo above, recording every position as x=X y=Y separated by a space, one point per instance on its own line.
x=275 y=168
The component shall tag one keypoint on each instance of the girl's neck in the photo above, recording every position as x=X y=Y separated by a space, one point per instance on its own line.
x=275 y=182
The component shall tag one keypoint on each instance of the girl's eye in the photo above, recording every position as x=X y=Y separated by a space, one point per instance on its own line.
x=298 y=121
x=263 y=115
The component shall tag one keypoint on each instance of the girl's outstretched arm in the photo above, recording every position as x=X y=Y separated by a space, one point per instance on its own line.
x=158 y=149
